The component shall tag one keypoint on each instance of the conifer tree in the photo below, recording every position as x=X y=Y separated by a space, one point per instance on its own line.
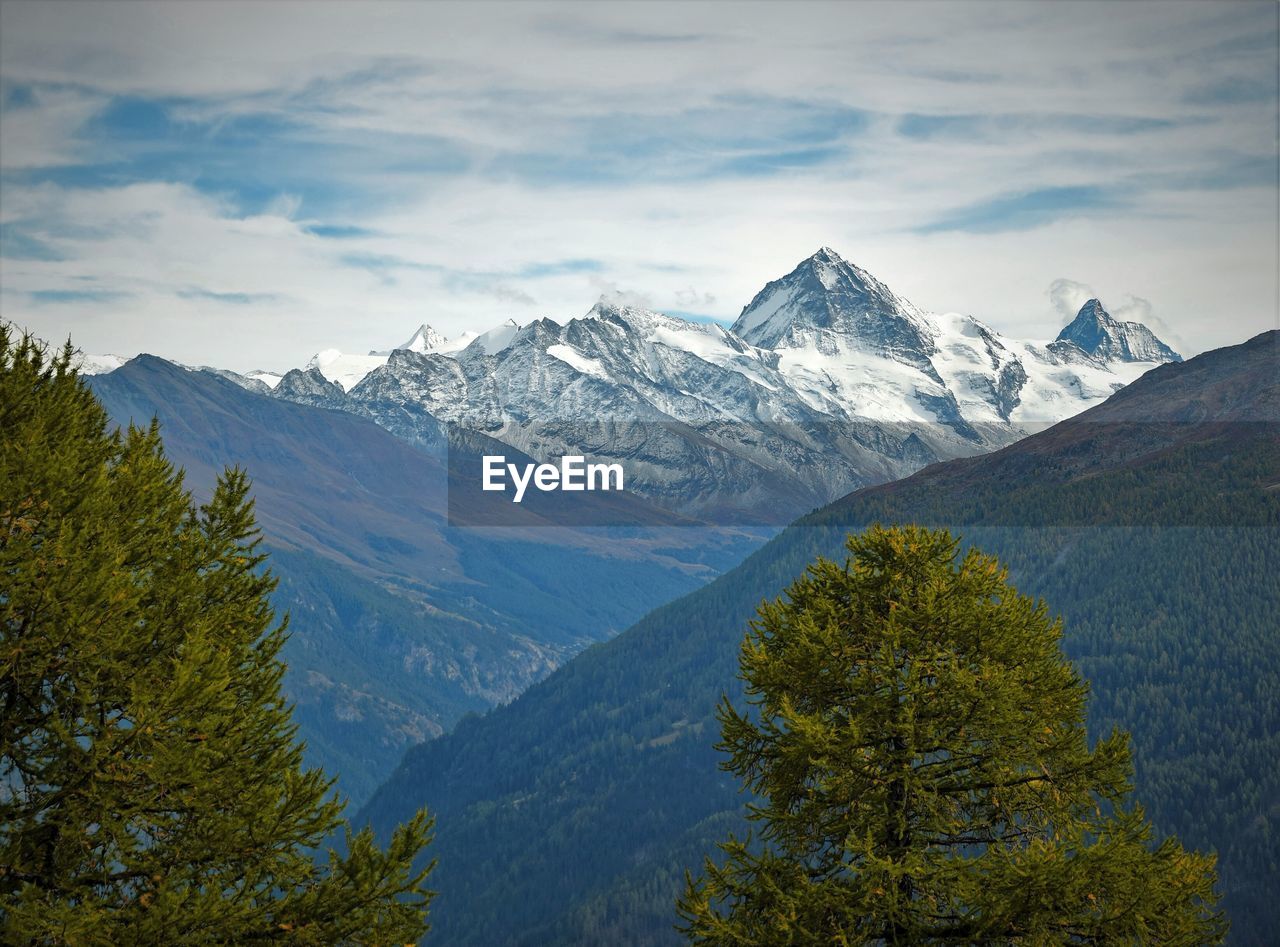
x=917 y=751
x=152 y=789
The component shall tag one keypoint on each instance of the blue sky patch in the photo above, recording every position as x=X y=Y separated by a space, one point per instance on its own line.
x=1024 y=211
x=48 y=296
x=340 y=231
x=233 y=299
x=558 y=268
x=16 y=244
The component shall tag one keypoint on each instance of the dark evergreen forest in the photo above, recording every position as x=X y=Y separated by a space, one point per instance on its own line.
x=570 y=815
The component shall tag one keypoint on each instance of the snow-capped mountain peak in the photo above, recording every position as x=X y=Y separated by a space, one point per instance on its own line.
x=425 y=339
x=828 y=303
x=838 y=275
x=270 y=379
x=616 y=306
x=495 y=340
x=346 y=370
x=98 y=364
x=1095 y=332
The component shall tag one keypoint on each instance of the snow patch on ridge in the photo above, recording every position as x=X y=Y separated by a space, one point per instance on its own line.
x=347 y=370
x=98 y=364
x=496 y=339
x=270 y=379
x=575 y=359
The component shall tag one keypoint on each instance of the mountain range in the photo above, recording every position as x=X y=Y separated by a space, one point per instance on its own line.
x=826 y=382
x=1150 y=522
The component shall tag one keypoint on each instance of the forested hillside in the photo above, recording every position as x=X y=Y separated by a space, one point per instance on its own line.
x=399 y=624
x=1151 y=523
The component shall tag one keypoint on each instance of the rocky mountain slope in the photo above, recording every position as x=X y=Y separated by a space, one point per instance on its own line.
x=1150 y=522
x=401 y=624
x=826 y=382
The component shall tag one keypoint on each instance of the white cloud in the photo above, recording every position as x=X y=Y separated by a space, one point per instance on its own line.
x=42 y=133
x=1136 y=309
x=612 y=292
x=690 y=298
x=1067 y=296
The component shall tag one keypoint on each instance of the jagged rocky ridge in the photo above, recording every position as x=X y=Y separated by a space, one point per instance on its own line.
x=827 y=381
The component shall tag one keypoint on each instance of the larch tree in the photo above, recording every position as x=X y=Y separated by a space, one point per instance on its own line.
x=917 y=752
x=152 y=789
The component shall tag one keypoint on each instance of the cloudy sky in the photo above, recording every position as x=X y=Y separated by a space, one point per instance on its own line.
x=243 y=184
